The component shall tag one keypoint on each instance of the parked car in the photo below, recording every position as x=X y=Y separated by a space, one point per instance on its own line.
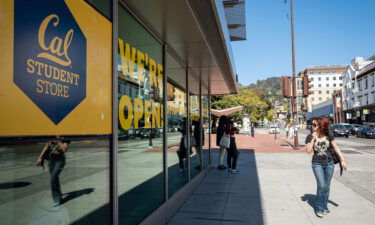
x=349 y=127
x=145 y=132
x=273 y=130
x=366 y=132
x=126 y=134
x=339 y=130
x=356 y=127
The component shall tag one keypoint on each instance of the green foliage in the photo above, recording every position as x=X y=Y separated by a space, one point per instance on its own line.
x=257 y=100
x=252 y=103
x=270 y=115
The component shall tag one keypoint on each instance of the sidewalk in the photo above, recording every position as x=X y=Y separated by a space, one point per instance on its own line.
x=276 y=186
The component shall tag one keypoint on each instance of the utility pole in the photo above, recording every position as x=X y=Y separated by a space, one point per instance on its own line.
x=294 y=95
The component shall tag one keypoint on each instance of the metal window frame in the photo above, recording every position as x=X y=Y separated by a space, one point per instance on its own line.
x=187 y=124
x=201 y=122
x=165 y=126
x=114 y=140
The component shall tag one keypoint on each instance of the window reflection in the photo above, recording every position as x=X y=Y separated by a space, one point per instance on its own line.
x=205 y=124
x=177 y=150
x=196 y=159
x=140 y=129
x=70 y=185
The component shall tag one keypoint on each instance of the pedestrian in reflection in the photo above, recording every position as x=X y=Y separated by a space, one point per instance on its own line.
x=322 y=162
x=219 y=134
x=54 y=153
x=252 y=129
x=287 y=131
x=199 y=142
x=181 y=152
x=291 y=131
x=232 y=150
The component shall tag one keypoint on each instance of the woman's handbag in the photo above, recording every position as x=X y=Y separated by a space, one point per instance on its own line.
x=225 y=141
x=334 y=157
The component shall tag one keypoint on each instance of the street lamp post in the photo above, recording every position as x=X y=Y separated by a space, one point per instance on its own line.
x=294 y=95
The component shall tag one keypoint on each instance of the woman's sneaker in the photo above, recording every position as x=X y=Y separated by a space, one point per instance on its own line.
x=235 y=171
x=221 y=167
x=326 y=211
x=319 y=214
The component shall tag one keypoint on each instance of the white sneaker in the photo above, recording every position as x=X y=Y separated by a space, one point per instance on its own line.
x=229 y=170
x=235 y=171
x=325 y=212
x=319 y=214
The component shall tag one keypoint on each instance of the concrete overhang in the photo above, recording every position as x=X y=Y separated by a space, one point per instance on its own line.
x=196 y=34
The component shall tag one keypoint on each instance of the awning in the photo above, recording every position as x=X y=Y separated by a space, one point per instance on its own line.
x=226 y=112
x=196 y=33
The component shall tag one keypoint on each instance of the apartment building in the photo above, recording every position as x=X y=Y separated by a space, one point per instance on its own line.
x=359 y=90
x=323 y=82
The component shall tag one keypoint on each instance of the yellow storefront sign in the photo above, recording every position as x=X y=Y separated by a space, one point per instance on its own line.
x=56 y=69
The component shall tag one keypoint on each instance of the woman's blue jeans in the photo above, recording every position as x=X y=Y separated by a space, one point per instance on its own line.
x=323 y=174
x=55 y=168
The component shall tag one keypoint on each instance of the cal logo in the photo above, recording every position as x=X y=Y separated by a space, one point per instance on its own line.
x=49 y=56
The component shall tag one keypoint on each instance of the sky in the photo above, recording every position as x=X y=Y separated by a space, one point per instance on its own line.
x=327 y=32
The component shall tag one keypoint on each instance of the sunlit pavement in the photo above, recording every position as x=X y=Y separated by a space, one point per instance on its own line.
x=277 y=186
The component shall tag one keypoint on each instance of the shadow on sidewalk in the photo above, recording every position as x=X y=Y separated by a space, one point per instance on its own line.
x=11 y=185
x=310 y=199
x=225 y=198
x=243 y=204
x=76 y=194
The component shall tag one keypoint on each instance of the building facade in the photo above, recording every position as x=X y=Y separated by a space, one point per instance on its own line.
x=107 y=95
x=323 y=109
x=323 y=82
x=359 y=91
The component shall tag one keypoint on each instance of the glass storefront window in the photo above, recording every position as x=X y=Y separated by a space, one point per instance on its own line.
x=196 y=159
x=67 y=188
x=177 y=112
x=55 y=120
x=205 y=125
x=140 y=130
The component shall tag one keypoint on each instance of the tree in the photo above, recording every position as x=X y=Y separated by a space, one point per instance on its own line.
x=252 y=103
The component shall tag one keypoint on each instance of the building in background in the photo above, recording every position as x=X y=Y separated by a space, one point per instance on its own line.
x=323 y=81
x=359 y=91
x=323 y=109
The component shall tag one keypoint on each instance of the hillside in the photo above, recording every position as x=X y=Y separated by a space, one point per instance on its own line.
x=267 y=88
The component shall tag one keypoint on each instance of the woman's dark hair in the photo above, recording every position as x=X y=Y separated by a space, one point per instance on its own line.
x=323 y=125
x=222 y=120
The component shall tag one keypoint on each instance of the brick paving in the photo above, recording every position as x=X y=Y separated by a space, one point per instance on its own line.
x=261 y=143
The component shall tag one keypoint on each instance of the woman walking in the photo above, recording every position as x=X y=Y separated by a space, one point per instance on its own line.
x=322 y=144
x=232 y=150
x=54 y=153
x=219 y=135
